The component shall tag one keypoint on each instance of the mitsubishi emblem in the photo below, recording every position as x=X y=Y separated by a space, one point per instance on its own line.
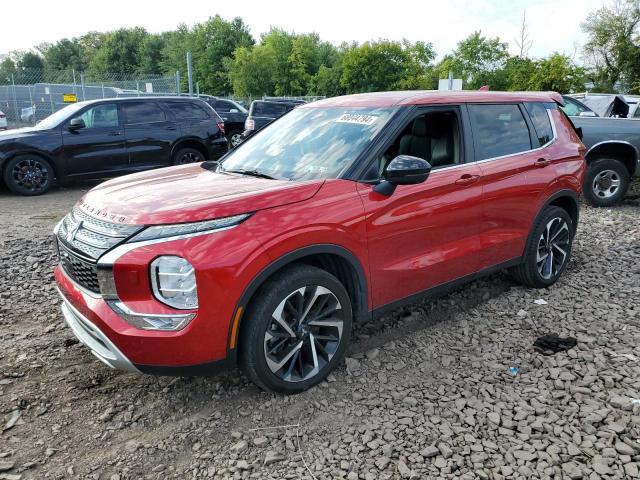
x=71 y=235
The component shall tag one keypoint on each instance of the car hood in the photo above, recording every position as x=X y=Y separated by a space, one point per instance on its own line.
x=17 y=133
x=189 y=193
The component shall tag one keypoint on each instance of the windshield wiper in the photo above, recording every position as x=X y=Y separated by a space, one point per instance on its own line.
x=251 y=173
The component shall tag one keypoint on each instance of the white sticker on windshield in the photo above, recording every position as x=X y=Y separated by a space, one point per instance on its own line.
x=357 y=118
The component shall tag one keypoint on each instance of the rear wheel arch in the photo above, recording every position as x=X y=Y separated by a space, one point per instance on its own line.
x=189 y=143
x=335 y=259
x=621 y=151
x=565 y=199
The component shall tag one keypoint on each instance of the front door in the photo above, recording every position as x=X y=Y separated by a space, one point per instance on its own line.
x=98 y=148
x=425 y=235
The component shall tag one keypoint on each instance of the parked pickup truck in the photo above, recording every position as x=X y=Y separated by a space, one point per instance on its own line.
x=613 y=158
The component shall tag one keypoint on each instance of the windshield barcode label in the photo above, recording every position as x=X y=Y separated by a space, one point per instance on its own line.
x=357 y=118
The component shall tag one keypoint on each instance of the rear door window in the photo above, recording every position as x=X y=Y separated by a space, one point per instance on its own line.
x=143 y=112
x=187 y=110
x=541 y=122
x=498 y=130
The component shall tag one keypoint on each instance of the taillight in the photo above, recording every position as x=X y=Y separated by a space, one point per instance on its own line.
x=249 y=124
x=220 y=126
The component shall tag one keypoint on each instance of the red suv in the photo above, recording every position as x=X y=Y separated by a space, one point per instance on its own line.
x=340 y=210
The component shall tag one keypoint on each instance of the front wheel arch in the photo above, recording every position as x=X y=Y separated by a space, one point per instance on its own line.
x=5 y=166
x=353 y=277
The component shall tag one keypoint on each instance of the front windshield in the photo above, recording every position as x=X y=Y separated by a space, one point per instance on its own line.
x=55 y=119
x=309 y=143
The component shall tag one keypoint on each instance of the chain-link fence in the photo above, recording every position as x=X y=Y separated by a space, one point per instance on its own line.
x=27 y=97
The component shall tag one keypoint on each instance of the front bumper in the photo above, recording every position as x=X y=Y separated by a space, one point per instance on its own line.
x=91 y=336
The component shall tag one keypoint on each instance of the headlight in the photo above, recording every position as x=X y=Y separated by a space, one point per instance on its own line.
x=162 y=231
x=173 y=280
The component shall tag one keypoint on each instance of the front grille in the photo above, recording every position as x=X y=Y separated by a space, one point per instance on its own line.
x=81 y=271
x=82 y=240
x=91 y=236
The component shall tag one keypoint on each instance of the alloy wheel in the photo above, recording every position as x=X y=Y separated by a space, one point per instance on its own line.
x=235 y=140
x=606 y=184
x=190 y=157
x=304 y=333
x=553 y=248
x=30 y=174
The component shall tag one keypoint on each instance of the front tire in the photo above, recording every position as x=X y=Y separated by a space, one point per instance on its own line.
x=606 y=182
x=548 y=250
x=28 y=175
x=187 y=155
x=296 y=330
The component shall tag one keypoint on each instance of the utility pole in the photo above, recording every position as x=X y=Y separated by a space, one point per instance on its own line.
x=190 y=74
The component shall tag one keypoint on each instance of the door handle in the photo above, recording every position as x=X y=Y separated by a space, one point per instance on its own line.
x=467 y=179
x=171 y=128
x=541 y=162
x=114 y=134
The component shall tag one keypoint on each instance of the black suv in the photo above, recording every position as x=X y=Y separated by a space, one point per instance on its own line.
x=263 y=112
x=233 y=114
x=103 y=138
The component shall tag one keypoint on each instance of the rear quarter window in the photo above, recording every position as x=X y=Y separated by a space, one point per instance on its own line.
x=187 y=110
x=498 y=130
x=266 y=109
x=541 y=122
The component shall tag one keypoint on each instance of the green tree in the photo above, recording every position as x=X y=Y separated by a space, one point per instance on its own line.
x=251 y=71
x=29 y=68
x=557 y=73
x=151 y=54
x=612 y=50
x=211 y=44
x=478 y=60
x=120 y=52
x=7 y=69
x=66 y=54
x=518 y=72
x=386 y=65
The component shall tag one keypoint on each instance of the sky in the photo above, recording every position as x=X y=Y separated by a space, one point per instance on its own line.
x=553 y=25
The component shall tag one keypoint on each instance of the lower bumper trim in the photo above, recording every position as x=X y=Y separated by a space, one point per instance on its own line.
x=97 y=342
x=208 y=369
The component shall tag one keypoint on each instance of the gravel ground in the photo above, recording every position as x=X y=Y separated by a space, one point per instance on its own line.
x=426 y=392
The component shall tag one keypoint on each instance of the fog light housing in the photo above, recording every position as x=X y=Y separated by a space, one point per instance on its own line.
x=151 y=321
x=173 y=281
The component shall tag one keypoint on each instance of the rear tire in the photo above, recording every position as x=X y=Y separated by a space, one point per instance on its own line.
x=234 y=138
x=282 y=348
x=606 y=182
x=28 y=175
x=548 y=249
x=187 y=155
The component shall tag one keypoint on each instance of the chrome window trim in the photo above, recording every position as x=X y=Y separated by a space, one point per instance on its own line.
x=549 y=143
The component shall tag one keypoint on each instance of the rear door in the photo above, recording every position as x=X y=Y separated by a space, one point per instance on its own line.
x=99 y=148
x=150 y=132
x=503 y=148
x=425 y=235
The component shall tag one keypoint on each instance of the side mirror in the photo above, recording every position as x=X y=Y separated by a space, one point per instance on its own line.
x=588 y=114
x=76 y=124
x=403 y=170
